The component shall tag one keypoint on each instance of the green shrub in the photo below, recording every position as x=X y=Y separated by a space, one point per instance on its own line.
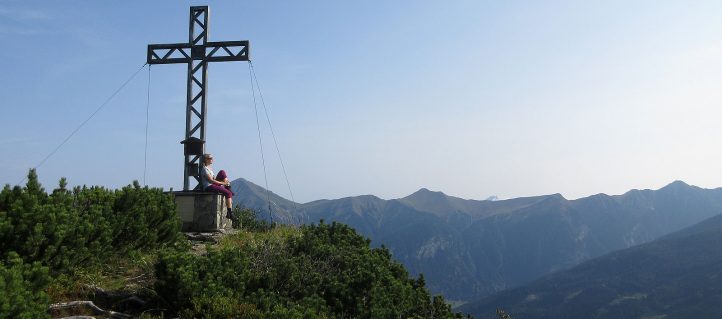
x=59 y=230
x=326 y=271
x=22 y=289
x=67 y=229
x=143 y=218
x=317 y=271
x=248 y=220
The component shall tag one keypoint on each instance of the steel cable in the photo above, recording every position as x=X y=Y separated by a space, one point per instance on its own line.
x=273 y=134
x=260 y=142
x=86 y=120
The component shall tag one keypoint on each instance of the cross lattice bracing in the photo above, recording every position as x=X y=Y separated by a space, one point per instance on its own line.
x=197 y=53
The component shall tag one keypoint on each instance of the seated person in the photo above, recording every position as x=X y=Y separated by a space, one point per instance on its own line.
x=217 y=183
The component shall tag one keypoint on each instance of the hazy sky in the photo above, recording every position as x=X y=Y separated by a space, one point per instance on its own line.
x=472 y=98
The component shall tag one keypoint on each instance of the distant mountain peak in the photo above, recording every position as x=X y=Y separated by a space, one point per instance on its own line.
x=677 y=183
x=557 y=196
x=553 y=200
x=676 y=186
x=370 y=196
x=425 y=192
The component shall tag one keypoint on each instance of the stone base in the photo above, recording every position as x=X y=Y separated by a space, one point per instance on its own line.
x=202 y=211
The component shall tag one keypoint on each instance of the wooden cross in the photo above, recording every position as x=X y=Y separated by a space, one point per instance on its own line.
x=197 y=53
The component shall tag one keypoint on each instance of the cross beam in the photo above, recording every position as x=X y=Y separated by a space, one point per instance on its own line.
x=197 y=53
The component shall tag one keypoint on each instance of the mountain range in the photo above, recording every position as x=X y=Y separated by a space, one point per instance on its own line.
x=676 y=276
x=470 y=249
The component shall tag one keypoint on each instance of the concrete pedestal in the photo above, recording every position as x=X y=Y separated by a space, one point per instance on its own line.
x=202 y=211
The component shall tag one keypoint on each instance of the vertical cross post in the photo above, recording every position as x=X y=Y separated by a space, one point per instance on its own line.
x=196 y=89
x=197 y=53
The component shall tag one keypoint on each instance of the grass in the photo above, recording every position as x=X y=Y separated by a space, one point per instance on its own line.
x=245 y=239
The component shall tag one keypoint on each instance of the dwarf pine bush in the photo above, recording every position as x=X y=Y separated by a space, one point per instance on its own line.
x=22 y=287
x=68 y=228
x=322 y=271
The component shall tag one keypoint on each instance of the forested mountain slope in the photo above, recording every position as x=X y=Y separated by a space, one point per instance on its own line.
x=676 y=276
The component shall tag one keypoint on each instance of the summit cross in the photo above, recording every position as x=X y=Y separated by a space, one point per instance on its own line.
x=196 y=54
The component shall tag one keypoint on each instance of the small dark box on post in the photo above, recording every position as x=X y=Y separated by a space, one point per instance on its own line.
x=193 y=146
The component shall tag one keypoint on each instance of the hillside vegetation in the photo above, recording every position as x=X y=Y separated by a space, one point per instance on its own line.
x=677 y=276
x=123 y=250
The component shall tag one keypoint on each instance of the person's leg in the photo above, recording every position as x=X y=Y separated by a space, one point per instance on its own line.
x=229 y=214
x=222 y=176
x=218 y=189
x=226 y=193
x=229 y=199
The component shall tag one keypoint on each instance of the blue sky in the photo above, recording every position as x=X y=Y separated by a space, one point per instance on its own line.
x=472 y=98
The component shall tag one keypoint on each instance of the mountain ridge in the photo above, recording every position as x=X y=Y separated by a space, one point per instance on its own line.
x=468 y=249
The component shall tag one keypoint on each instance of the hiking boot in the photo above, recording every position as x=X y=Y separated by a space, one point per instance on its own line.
x=232 y=217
